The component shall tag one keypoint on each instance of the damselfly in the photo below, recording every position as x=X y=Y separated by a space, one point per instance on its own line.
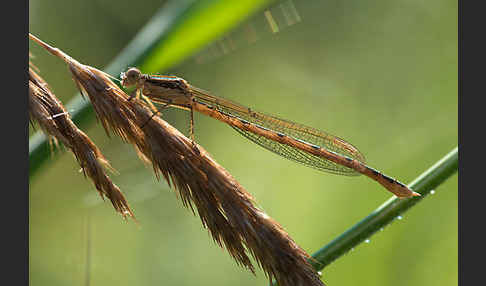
x=294 y=141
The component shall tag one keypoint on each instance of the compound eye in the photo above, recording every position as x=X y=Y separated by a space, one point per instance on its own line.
x=133 y=73
x=130 y=77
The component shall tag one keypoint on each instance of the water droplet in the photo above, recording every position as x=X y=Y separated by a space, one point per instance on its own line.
x=381 y=229
x=367 y=241
x=432 y=192
x=352 y=249
x=399 y=217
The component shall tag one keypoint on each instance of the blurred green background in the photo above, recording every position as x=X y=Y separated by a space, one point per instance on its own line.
x=381 y=74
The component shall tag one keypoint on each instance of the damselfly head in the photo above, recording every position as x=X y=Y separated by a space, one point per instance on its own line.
x=130 y=77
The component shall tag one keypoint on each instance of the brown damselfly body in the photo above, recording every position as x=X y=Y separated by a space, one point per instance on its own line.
x=297 y=142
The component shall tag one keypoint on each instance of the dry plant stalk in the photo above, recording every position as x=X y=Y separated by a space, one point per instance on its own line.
x=54 y=120
x=223 y=205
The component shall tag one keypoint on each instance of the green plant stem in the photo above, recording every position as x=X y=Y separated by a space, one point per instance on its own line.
x=387 y=212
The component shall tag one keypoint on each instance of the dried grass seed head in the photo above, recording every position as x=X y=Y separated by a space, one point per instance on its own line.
x=54 y=120
x=223 y=205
